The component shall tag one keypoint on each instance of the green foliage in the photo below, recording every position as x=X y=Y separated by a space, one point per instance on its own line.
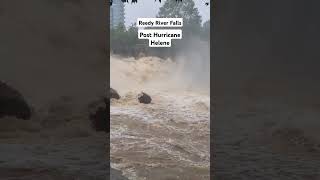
x=123 y=41
x=185 y=9
x=132 y=34
x=118 y=36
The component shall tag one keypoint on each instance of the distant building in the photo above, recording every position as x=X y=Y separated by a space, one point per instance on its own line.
x=116 y=13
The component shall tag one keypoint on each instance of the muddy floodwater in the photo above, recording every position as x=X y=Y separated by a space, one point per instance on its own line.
x=57 y=143
x=167 y=139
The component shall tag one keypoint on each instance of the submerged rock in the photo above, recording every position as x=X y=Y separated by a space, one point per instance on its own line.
x=12 y=103
x=113 y=94
x=144 y=98
x=100 y=118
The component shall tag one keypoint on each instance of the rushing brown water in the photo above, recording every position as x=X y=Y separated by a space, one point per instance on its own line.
x=56 y=143
x=169 y=138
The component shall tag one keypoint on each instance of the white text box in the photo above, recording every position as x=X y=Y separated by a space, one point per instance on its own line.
x=159 y=22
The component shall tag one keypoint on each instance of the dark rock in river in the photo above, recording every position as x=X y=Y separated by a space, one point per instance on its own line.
x=144 y=98
x=100 y=118
x=113 y=94
x=12 y=103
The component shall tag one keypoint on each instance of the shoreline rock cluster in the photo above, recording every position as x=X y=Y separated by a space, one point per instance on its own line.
x=100 y=114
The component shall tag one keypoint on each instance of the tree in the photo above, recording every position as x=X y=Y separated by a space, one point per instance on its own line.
x=136 y=1
x=185 y=9
x=123 y=41
x=207 y=3
x=132 y=35
x=118 y=38
x=205 y=30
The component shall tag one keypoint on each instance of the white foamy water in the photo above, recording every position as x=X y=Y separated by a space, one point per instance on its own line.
x=167 y=139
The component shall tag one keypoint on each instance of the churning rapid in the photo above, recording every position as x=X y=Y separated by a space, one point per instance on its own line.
x=169 y=138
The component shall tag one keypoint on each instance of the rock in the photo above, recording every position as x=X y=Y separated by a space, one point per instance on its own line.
x=12 y=103
x=113 y=94
x=144 y=98
x=100 y=118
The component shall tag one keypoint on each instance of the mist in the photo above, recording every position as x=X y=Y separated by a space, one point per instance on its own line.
x=194 y=62
x=188 y=71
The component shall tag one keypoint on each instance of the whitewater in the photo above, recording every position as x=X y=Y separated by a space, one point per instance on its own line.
x=169 y=138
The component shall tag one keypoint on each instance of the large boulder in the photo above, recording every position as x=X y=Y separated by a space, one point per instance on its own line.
x=144 y=98
x=113 y=94
x=12 y=103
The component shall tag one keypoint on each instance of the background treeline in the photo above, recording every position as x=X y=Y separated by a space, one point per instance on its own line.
x=124 y=41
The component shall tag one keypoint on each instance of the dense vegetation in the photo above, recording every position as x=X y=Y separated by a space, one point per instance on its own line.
x=125 y=41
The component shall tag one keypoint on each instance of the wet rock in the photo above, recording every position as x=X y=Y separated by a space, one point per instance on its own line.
x=12 y=103
x=144 y=98
x=113 y=94
x=100 y=118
